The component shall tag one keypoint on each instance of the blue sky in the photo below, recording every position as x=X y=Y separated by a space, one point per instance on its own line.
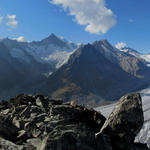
x=125 y=21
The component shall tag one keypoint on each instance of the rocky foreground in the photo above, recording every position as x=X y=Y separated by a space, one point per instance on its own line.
x=37 y=123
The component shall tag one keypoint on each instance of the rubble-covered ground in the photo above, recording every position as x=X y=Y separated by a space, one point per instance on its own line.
x=37 y=123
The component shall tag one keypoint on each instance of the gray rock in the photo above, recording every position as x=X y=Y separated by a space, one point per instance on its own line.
x=35 y=123
x=7 y=145
x=16 y=122
x=124 y=122
x=37 y=143
x=39 y=102
x=6 y=111
x=71 y=137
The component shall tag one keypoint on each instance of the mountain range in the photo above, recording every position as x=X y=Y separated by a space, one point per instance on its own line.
x=90 y=73
x=26 y=64
x=97 y=73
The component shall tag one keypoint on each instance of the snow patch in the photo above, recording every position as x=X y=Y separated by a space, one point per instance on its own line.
x=146 y=58
x=60 y=57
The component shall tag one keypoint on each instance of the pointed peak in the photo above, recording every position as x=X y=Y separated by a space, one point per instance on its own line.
x=52 y=35
x=51 y=38
x=54 y=40
x=103 y=42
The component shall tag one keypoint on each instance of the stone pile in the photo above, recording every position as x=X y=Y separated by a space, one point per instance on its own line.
x=37 y=123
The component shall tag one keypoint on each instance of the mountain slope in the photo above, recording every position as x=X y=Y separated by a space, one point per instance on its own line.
x=24 y=63
x=15 y=76
x=92 y=75
x=130 y=63
x=51 y=50
x=143 y=57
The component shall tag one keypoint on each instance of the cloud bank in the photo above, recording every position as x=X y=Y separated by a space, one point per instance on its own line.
x=12 y=22
x=91 y=13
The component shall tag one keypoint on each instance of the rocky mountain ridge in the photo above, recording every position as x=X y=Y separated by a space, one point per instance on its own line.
x=144 y=57
x=52 y=66
x=44 y=51
x=37 y=123
x=24 y=63
x=97 y=71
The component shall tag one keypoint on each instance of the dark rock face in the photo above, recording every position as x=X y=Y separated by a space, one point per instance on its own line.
x=37 y=123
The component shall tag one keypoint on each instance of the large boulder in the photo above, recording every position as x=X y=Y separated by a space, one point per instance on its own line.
x=124 y=122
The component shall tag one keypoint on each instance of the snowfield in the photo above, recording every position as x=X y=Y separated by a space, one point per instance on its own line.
x=144 y=134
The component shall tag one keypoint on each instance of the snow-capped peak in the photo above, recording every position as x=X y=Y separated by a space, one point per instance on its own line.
x=123 y=48
x=52 y=50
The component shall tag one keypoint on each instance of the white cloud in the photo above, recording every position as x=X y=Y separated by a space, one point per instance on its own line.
x=1 y=19
x=92 y=13
x=12 y=22
x=20 y=39
x=120 y=45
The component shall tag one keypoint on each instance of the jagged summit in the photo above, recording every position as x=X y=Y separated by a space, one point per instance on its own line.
x=103 y=41
x=104 y=44
x=93 y=69
x=51 y=38
x=30 y=62
x=52 y=35
x=68 y=67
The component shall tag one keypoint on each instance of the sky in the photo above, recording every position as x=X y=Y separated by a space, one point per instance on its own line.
x=121 y=22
